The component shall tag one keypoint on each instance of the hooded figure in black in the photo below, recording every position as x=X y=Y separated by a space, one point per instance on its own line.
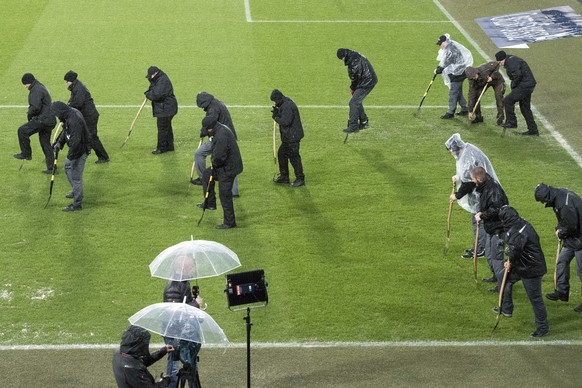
x=286 y=114
x=131 y=361
x=226 y=165
x=217 y=110
x=76 y=135
x=491 y=199
x=164 y=106
x=522 y=85
x=526 y=263
x=363 y=79
x=82 y=101
x=567 y=206
x=40 y=120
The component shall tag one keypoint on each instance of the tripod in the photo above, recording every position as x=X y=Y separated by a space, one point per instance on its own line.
x=249 y=324
x=185 y=374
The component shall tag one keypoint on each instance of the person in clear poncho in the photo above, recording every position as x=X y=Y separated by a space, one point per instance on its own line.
x=453 y=59
x=467 y=157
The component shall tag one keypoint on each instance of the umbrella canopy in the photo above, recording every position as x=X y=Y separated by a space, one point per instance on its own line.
x=180 y=321
x=194 y=259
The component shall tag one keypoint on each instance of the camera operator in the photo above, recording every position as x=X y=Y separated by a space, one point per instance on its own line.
x=131 y=361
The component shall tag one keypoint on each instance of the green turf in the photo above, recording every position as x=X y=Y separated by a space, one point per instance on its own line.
x=356 y=255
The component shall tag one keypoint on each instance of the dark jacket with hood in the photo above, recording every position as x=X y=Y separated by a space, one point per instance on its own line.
x=226 y=159
x=81 y=99
x=161 y=94
x=39 y=104
x=491 y=199
x=489 y=69
x=523 y=245
x=176 y=291
x=519 y=73
x=75 y=133
x=568 y=209
x=131 y=361
x=289 y=121
x=216 y=109
x=360 y=70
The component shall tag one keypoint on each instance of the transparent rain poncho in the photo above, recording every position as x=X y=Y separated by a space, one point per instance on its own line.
x=468 y=157
x=454 y=59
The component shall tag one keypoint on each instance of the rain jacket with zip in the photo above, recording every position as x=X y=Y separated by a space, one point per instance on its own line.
x=567 y=206
x=161 y=94
x=216 y=109
x=131 y=361
x=360 y=70
x=75 y=133
x=39 y=104
x=491 y=199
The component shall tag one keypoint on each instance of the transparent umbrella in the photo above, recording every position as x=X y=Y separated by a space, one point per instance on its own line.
x=194 y=259
x=181 y=321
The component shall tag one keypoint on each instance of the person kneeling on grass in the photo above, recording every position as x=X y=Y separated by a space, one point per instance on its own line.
x=131 y=361
x=526 y=263
x=76 y=135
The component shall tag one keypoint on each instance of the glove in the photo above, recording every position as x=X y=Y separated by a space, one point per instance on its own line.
x=352 y=91
x=438 y=70
x=57 y=147
x=276 y=111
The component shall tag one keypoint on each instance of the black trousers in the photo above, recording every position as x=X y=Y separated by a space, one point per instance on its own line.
x=289 y=152
x=96 y=144
x=523 y=96
x=165 y=134
x=224 y=192
x=44 y=136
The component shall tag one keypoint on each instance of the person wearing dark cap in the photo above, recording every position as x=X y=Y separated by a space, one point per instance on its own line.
x=522 y=85
x=567 y=206
x=130 y=362
x=217 y=109
x=485 y=75
x=526 y=262
x=226 y=165
x=82 y=101
x=363 y=79
x=286 y=114
x=164 y=106
x=453 y=59
x=40 y=120
x=76 y=135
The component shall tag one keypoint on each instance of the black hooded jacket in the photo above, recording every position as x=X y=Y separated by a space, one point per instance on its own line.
x=519 y=73
x=289 y=121
x=567 y=206
x=226 y=159
x=75 y=133
x=523 y=245
x=161 y=94
x=360 y=70
x=39 y=104
x=216 y=109
x=131 y=361
x=81 y=99
x=491 y=199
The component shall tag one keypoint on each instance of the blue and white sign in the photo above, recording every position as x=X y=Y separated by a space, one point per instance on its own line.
x=518 y=29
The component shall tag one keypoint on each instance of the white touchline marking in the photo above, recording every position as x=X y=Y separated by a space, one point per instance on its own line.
x=315 y=345
x=559 y=138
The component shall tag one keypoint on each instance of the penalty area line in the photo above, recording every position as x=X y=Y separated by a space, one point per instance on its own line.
x=312 y=345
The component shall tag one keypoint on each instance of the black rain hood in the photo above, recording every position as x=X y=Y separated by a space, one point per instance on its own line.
x=203 y=100
x=508 y=216
x=135 y=341
x=61 y=110
x=545 y=194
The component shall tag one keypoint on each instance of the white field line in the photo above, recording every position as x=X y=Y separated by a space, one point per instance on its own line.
x=559 y=138
x=235 y=106
x=249 y=19
x=317 y=345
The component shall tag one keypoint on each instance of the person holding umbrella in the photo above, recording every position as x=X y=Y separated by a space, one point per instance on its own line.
x=526 y=263
x=130 y=362
x=286 y=114
x=363 y=79
x=82 y=101
x=40 y=120
x=164 y=107
x=76 y=135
